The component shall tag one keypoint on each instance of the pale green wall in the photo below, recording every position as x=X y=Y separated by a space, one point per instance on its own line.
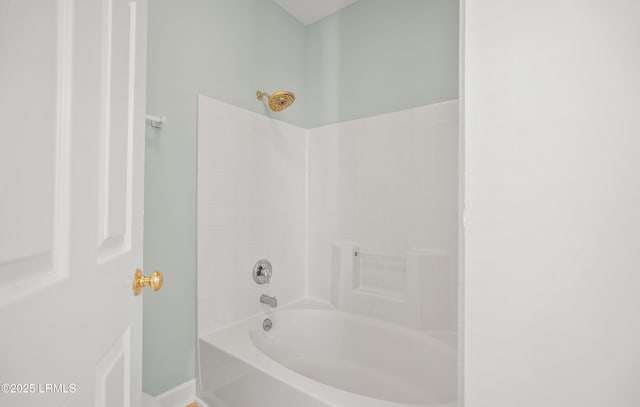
x=226 y=49
x=373 y=57
x=380 y=56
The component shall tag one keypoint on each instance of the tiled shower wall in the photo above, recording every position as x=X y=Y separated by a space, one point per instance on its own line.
x=251 y=205
x=386 y=183
x=389 y=184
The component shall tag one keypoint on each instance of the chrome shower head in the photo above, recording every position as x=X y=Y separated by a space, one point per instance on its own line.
x=279 y=100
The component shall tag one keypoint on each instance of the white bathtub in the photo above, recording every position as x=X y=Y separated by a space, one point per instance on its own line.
x=316 y=357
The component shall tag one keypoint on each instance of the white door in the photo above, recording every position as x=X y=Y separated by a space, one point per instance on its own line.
x=71 y=188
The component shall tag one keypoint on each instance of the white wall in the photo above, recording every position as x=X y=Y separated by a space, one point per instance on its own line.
x=552 y=106
x=388 y=183
x=251 y=205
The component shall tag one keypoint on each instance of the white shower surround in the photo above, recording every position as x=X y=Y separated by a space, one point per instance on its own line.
x=388 y=184
x=268 y=189
x=251 y=206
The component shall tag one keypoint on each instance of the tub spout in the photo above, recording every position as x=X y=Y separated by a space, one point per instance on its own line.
x=271 y=301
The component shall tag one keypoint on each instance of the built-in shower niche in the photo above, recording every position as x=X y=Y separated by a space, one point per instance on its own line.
x=379 y=274
x=414 y=290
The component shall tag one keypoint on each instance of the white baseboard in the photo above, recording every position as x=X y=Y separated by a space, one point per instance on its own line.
x=179 y=396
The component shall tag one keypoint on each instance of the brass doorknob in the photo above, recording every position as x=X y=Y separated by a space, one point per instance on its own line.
x=139 y=281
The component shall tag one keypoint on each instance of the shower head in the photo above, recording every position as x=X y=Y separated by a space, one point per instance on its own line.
x=279 y=100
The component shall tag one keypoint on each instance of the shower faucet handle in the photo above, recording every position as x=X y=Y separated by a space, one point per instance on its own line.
x=262 y=271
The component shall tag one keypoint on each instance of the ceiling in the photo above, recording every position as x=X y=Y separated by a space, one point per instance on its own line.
x=310 y=11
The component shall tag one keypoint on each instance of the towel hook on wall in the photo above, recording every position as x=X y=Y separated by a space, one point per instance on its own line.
x=156 y=121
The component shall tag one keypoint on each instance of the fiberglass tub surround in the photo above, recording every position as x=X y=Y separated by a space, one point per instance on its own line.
x=323 y=357
x=371 y=204
x=384 y=187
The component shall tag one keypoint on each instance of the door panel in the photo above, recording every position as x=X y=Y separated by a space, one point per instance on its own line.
x=35 y=74
x=112 y=374
x=118 y=56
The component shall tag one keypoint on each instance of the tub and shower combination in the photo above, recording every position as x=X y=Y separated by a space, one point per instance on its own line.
x=316 y=356
x=380 y=339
